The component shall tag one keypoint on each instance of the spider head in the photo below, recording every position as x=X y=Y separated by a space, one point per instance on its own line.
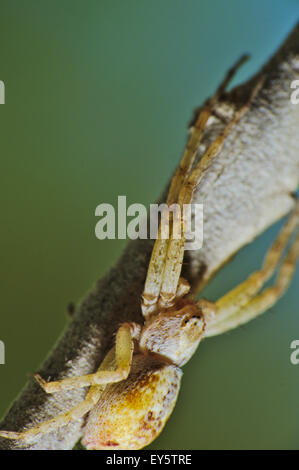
x=175 y=333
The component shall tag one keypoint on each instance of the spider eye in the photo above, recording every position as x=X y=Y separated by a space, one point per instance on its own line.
x=194 y=318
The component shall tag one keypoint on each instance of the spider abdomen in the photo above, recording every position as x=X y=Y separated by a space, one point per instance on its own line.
x=130 y=414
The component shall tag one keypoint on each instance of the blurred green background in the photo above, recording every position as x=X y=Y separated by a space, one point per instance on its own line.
x=98 y=94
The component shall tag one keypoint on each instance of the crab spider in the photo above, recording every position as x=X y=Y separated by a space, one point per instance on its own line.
x=134 y=391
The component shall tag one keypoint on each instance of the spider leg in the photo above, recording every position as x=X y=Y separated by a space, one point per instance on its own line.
x=260 y=303
x=231 y=303
x=124 y=347
x=73 y=414
x=195 y=137
x=156 y=267
x=175 y=251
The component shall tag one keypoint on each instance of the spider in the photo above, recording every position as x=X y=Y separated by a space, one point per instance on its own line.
x=134 y=391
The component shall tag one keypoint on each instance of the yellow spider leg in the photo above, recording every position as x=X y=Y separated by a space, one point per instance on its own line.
x=73 y=414
x=155 y=272
x=124 y=347
x=194 y=140
x=232 y=302
x=175 y=251
x=262 y=302
x=154 y=276
x=195 y=137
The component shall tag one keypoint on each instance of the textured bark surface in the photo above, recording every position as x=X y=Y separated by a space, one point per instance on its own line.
x=247 y=188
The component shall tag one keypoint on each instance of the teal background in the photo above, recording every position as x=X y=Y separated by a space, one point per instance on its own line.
x=98 y=94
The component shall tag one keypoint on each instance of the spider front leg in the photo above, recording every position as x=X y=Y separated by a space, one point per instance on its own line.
x=155 y=273
x=243 y=303
x=175 y=252
x=73 y=414
x=161 y=253
x=124 y=347
x=43 y=428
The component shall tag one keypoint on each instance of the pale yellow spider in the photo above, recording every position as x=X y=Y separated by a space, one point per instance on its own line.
x=134 y=391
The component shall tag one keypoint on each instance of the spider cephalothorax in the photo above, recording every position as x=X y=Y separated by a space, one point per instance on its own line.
x=174 y=334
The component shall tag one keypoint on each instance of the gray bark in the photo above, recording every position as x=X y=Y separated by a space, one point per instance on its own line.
x=247 y=188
